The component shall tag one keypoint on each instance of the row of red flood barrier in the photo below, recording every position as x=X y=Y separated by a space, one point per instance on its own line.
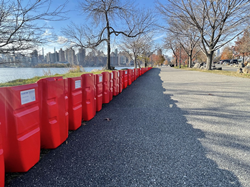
x=39 y=115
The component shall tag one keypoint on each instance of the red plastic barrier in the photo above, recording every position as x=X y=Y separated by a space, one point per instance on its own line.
x=2 y=172
x=125 y=79
x=20 y=129
x=2 y=123
x=116 y=83
x=75 y=102
x=120 y=75
x=130 y=76
x=133 y=75
x=52 y=101
x=111 y=77
x=95 y=92
x=136 y=74
x=106 y=87
x=99 y=90
x=88 y=96
x=140 y=72
x=66 y=87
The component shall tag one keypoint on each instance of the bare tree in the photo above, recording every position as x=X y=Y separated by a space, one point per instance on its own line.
x=20 y=29
x=137 y=47
x=171 y=42
x=218 y=21
x=147 y=51
x=109 y=17
x=187 y=35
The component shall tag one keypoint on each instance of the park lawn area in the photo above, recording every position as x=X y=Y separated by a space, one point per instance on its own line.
x=35 y=79
x=220 y=72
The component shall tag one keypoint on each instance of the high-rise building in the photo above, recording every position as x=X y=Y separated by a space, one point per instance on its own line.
x=40 y=59
x=56 y=56
x=123 y=58
x=114 y=61
x=49 y=57
x=43 y=52
x=70 y=56
x=61 y=56
x=116 y=52
x=34 y=57
x=81 y=56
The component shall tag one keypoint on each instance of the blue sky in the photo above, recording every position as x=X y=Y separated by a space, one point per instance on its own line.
x=77 y=17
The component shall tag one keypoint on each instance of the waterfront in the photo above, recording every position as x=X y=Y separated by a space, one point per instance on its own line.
x=9 y=74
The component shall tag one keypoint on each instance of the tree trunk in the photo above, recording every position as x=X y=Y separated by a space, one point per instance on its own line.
x=190 y=60
x=108 y=67
x=135 y=65
x=180 y=58
x=139 y=64
x=176 y=62
x=243 y=58
x=209 y=60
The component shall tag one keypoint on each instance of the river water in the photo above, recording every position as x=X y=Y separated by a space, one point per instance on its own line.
x=8 y=74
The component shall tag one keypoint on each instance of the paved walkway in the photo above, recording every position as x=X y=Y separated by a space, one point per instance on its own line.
x=169 y=128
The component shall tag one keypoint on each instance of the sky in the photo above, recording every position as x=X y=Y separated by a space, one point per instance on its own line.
x=75 y=15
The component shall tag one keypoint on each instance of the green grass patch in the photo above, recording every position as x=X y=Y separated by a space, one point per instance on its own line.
x=220 y=72
x=71 y=73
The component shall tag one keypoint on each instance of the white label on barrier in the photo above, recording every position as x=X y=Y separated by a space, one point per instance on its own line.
x=111 y=75
x=118 y=73
x=100 y=79
x=126 y=72
x=28 y=96
x=77 y=84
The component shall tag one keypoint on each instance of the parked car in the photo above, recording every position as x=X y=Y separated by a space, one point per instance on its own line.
x=234 y=61
x=225 y=62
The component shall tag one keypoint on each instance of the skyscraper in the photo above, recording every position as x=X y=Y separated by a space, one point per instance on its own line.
x=70 y=56
x=43 y=52
x=81 y=56
x=61 y=56
x=116 y=52
x=34 y=57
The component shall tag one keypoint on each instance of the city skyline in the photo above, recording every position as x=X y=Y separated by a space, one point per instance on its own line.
x=71 y=56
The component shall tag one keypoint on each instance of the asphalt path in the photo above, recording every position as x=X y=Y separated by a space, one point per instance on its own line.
x=169 y=128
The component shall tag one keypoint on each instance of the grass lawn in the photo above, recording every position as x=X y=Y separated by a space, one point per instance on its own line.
x=220 y=72
x=73 y=73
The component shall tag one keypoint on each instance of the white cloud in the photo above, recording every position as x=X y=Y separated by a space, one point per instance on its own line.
x=47 y=33
x=61 y=39
x=159 y=37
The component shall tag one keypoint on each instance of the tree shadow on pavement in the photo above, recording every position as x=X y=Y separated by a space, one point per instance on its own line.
x=147 y=142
